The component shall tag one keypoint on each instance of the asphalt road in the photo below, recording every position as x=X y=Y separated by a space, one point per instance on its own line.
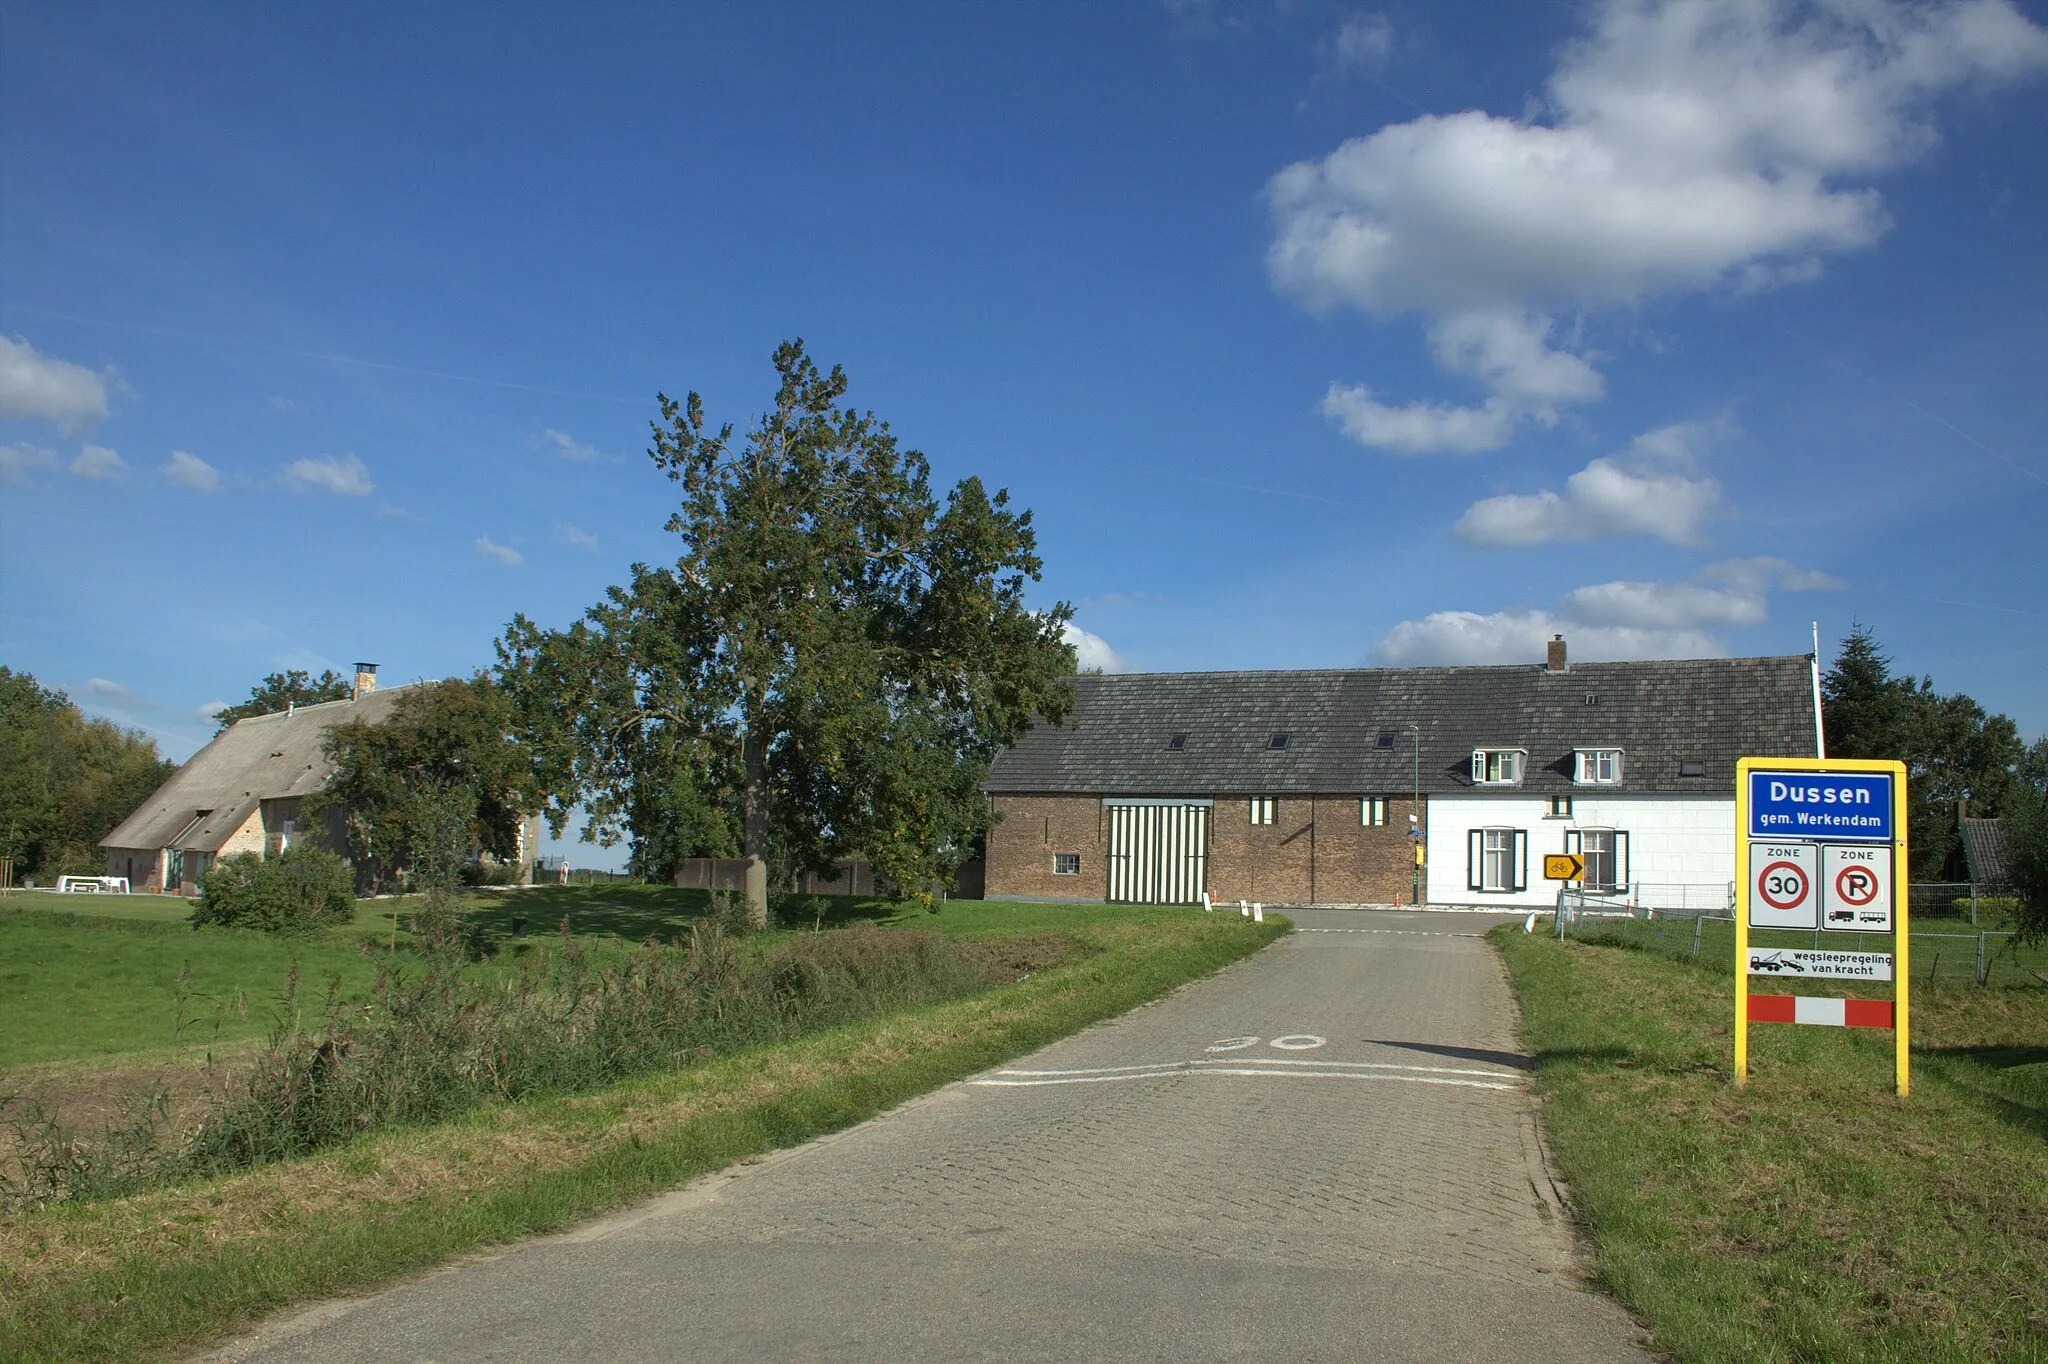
x=1326 y=1152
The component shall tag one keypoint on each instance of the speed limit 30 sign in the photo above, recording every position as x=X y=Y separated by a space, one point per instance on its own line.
x=1783 y=885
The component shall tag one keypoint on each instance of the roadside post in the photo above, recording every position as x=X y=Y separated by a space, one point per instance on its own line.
x=1820 y=846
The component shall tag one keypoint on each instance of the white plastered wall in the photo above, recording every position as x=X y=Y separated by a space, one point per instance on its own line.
x=1672 y=841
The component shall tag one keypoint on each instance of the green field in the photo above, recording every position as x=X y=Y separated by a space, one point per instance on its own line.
x=1812 y=1215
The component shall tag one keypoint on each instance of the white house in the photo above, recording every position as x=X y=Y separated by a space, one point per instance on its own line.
x=1631 y=766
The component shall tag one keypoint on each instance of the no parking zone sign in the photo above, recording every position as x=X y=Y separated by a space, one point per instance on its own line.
x=1820 y=844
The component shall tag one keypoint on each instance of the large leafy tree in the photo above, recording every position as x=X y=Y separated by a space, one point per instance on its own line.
x=1955 y=753
x=281 y=691
x=827 y=669
x=446 y=747
x=65 y=780
x=2024 y=822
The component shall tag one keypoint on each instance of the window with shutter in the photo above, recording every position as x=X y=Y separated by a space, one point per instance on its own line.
x=1475 y=857
x=1521 y=859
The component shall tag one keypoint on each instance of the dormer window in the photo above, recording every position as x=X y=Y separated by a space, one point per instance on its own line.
x=1498 y=766
x=1599 y=767
x=1176 y=743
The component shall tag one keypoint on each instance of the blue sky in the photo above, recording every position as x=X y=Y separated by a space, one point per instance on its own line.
x=1313 y=334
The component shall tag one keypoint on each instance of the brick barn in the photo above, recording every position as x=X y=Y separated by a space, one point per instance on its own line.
x=1299 y=787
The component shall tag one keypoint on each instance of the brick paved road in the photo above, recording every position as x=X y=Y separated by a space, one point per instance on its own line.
x=1324 y=1153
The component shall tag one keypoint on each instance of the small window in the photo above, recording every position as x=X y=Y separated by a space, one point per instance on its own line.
x=1560 y=807
x=1599 y=767
x=1265 y=809
x=1177 y=743
x=1692 y=769
x=1066 y=864
x=1372 y=810
x=1387 y=737
x=1497 y=766
x=1278 y=740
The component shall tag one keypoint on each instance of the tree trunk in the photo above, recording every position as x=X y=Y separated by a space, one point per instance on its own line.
x=754 y=825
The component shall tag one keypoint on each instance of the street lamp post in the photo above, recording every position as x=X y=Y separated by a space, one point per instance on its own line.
x=1415 y=819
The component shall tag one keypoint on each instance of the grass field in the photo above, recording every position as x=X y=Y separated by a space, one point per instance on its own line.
x=91 y=977
x=156 y=1273
x=1811 y=1216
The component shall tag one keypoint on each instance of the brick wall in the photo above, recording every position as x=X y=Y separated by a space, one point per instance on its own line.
x=1315 y=850
x=1029 y=830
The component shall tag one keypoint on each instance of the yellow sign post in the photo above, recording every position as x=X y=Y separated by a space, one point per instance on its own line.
x=1820 y=845
x=1563 y=867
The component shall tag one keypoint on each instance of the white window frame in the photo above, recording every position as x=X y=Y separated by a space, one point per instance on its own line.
x=1372 y=811
x=1062 y=870
x=1598 y=766
x=1499 y=766
x=1497 y=860
x=1265 y=809
x=1560 y=808
x=1617 y=872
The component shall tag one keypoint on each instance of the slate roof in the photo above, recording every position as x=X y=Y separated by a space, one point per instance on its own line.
x=1984 y=850
x=1662 y=714
x=261 y=758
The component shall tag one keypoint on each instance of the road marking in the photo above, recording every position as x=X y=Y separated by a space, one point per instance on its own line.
x=1257 y=1069
x=1405 y=932
x=1300 y=1041
x=1232 y=1044
x=1273 y=1067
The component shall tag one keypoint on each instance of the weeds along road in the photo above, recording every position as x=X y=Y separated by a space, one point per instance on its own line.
x=1325 y=1152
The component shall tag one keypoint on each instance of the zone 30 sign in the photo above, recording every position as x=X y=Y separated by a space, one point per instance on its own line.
x=1819 y=847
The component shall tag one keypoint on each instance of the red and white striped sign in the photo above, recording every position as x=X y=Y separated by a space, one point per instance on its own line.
x=1833 y=1013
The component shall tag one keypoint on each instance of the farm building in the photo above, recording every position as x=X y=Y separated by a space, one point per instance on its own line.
x=1299 y=787
x=242 y=793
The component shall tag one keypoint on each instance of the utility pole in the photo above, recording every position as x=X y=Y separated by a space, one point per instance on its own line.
x=1415 y=820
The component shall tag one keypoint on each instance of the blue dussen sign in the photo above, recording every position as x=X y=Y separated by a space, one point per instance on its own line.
x=1836 y=807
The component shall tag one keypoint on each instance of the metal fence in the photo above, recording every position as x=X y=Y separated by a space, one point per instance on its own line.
x=1944 y=955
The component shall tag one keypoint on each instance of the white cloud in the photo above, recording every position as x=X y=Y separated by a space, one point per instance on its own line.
x=280 y=403
x=1606 y=621
x=187 y=470
x=1091 y=650
x=579 y=537
x=1363 y=44
x=1652 y=488
x=568 y=447
x=104 y=690
x=211 y=709
x=97 y=461
x=34 y=385
x=17 y=462
x=488 y=548
x=342 y=475
x=1685 y=145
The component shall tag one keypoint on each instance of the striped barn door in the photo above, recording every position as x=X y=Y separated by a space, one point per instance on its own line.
x=1158 y=854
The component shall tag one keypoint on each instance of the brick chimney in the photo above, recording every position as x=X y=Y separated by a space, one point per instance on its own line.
x=1555 y=663
x=366 y=680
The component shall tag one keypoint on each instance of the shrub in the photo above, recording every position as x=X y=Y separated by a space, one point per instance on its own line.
x=297 y=891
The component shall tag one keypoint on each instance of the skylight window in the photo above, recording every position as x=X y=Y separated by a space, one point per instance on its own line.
x=1387 y=738
x=1177 y=743
x=1278 y=740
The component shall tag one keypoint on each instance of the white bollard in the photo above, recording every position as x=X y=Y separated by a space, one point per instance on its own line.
x=1207 y=908
x=1258 y=914
x=1243 y=909
x=1529 y=924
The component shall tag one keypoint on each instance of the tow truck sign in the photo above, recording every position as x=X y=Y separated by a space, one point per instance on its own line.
x=1799 y=963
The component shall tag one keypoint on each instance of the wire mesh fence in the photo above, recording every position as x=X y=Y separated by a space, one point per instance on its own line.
x=1950 y=951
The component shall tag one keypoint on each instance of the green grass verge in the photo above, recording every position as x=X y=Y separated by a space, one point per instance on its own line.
x=1812 y=1215
x=151 y=1275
